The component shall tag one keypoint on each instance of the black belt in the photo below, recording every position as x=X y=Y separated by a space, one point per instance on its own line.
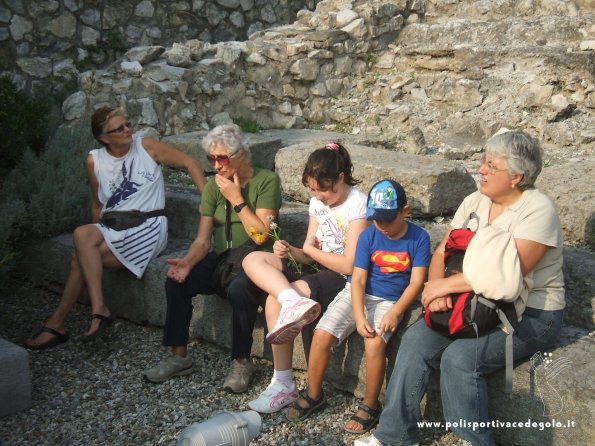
x=155 y=213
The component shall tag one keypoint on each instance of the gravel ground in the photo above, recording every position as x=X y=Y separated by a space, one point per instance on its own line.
x=91 y=394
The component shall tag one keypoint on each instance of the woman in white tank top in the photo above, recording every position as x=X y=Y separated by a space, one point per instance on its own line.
x=124 y=175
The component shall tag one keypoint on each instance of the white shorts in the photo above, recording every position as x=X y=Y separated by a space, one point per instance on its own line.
x=338 y=319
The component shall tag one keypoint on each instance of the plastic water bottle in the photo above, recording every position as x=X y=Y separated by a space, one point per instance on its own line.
x=223 y=429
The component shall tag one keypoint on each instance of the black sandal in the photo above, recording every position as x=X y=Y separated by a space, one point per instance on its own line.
x=366 y=423
x=59 y=338
x=301 y=413
x=104 y=323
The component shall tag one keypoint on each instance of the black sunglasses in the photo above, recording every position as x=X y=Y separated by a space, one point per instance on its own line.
x=121 y=128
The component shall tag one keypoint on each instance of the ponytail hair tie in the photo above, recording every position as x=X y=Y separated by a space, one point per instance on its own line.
x=332 y=146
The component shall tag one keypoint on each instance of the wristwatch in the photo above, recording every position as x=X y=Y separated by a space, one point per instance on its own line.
x=238 y=207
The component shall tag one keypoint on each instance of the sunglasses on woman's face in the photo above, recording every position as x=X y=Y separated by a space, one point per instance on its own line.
x=121 y=128
x=221 y=159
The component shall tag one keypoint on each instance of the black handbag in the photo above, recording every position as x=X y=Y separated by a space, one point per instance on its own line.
x=229 y=262
x=121 y=220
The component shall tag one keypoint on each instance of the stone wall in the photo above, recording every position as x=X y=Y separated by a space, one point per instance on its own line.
x=42 y=41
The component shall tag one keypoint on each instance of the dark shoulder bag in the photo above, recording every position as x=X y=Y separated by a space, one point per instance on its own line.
x=229 y=262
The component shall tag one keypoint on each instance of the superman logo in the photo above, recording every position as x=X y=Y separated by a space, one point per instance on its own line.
x=391 y=262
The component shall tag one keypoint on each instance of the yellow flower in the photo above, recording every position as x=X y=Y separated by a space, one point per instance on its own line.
x=255 y=235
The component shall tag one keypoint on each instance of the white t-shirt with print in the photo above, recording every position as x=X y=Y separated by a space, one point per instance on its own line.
x=334 y=222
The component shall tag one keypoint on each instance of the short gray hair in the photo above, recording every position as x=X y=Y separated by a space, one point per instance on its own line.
x=522 y=152
x=231 y=136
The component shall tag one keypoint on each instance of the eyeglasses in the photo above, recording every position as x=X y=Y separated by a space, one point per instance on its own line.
x=489 y=166
x=121 y=128
x=224 y=160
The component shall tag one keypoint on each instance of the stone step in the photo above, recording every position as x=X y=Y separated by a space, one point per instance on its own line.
x=146 y=299
x=15 y=379
x=441 y=10
x=505 y=34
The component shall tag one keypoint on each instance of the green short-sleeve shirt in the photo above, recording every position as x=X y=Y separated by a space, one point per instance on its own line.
x=263 y=191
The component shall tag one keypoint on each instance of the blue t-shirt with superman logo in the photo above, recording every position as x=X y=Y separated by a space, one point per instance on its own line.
x=389 y=262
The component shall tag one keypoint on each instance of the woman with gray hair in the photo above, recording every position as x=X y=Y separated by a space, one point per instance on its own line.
x=254 y=195
x=507 y=200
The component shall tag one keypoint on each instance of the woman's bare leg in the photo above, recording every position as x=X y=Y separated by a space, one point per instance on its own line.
x=75 y=283
x=93 y=255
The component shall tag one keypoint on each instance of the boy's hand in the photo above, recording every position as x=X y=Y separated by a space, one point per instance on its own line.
x=388 y=324
x=364 y=328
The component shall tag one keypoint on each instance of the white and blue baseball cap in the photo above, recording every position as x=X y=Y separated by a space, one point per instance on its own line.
x=384 y=200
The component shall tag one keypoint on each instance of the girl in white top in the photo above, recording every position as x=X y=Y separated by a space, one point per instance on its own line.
x=337 y=218
x=123 y=175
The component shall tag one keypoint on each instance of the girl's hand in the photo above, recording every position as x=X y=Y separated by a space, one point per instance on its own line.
x=317 y=244
x=311 y=244
x=281 y=249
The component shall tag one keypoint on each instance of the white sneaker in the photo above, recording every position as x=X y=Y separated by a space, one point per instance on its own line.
x=368 y=441
x=294 y=315
x=275 y=397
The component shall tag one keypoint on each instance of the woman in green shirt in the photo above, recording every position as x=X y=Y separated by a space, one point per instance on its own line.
x=255 y=197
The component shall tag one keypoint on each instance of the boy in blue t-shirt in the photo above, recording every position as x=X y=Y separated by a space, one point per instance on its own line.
x=391 y=262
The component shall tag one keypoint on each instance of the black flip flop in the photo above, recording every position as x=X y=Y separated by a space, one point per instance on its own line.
x=104 y=323
x=59 y=338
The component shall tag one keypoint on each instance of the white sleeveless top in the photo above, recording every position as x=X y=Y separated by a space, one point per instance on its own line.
x=133 y=182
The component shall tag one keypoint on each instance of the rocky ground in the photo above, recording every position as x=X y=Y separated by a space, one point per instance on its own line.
x=91 y=394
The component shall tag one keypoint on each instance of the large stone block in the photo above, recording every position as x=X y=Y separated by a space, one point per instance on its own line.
x=568 y=186
x=434 y=186
x=263 y=146
x=15 y=378
x=579 y=265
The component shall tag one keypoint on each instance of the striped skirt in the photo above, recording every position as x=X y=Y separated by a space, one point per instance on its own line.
x=136 y=247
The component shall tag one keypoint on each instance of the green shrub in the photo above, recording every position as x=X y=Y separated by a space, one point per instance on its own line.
x=24 y=123
x=248 y=125
x=45 y=194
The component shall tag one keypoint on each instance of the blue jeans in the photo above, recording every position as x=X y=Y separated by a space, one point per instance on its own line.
x=463 y=365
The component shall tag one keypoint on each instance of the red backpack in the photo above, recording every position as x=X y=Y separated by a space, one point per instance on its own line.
x=472 y=315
